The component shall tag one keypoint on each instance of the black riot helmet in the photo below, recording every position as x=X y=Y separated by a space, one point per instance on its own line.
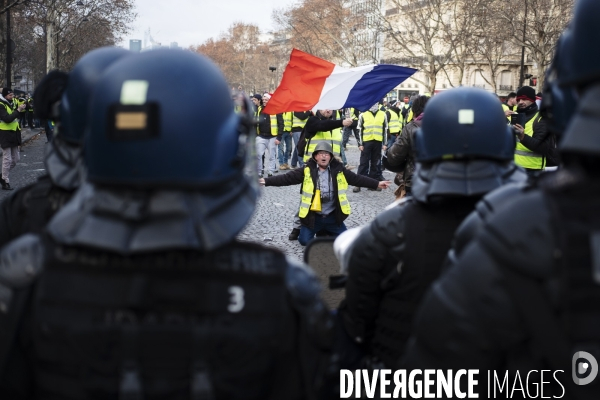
x=142 y=138
x=558 y=102
x=464 y=123
x=582 y=53
x=75 y=100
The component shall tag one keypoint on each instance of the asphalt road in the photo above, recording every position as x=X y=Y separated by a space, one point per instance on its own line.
x=31 y=165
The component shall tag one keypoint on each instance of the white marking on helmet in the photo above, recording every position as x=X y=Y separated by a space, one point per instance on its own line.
x=466 y=117
x=134 y=92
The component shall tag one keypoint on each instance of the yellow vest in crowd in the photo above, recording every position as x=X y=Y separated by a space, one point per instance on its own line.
x=525 y=157
x=10 y=126
x=333 y=137
x=372 y=127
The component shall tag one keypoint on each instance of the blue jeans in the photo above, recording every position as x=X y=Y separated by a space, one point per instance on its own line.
x=346 y=132
x=286 y=139
x=296 y=161
x=391 y=140
x=328 y=223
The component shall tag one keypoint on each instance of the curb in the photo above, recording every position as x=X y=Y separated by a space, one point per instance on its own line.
x=27 y=135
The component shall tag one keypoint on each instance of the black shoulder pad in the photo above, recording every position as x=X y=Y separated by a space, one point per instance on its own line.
x=496 y=199
x=522 y=235
x=389 y=226
x=484 y=209
x=21 y=261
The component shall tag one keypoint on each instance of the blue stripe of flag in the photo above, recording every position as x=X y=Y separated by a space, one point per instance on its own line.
x=375 y=84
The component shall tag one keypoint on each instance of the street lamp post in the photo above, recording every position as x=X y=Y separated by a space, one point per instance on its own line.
x=522 y=75
x=9 y=51
x=272 y=69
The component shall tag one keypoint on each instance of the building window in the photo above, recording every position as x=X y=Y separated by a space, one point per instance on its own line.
x=478 y=80
x=506 y=78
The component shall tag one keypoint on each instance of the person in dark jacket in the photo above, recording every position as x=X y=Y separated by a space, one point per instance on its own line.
x=270 y=131
x=393 y=260
x=535 y=143
x=10 y=135
x=324 y=182
x=401 y=156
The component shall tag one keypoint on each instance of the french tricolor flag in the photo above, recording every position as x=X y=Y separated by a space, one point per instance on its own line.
x=311 y=83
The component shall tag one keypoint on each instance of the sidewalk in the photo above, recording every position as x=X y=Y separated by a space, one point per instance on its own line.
x=27 y=134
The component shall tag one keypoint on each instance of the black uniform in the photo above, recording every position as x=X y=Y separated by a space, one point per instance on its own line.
x=530 y=260
x=177 y=324
x=30 y=208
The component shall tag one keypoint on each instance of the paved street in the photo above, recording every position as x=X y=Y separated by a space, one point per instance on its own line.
x=277 y=206
x=272 y=218
x=31 y=165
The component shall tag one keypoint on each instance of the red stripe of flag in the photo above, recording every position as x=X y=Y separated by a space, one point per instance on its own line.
x=301 y=85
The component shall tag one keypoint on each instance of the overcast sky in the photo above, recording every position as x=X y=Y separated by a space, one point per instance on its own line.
x=191 y=22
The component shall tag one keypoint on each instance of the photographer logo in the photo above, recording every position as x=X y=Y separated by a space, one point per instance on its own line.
x=584 y=364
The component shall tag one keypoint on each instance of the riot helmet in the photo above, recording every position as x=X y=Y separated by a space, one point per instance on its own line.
x=583 y=60
x=558 y=102
x=581 y=78
x=73 y=111
x=464 y=124
x=142 y=139
x=464 y=146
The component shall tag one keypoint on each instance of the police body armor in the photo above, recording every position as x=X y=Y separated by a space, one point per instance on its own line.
x=419 y=236
x=553 y=281
x=177 y=323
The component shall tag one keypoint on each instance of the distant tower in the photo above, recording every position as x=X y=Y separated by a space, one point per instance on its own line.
x=135 y=45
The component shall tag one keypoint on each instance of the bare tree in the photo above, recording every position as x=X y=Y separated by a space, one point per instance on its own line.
x=535 y=25
x=420 y=35
x=70 y=30
x=335 y=30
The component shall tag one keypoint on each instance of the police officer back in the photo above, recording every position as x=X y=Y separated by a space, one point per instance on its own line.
x=464 y=149
x=138 y=289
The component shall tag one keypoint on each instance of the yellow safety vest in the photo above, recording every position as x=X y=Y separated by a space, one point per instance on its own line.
x=353 y=114
x=394 y=122
x=10 y=126
x=334 y=137
x=287 y=121
x=297 y=122
x=274 y=126
x=525 y=157
x=372 y=127
x=409 y=117
x=308 y=192
x=505 y=107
